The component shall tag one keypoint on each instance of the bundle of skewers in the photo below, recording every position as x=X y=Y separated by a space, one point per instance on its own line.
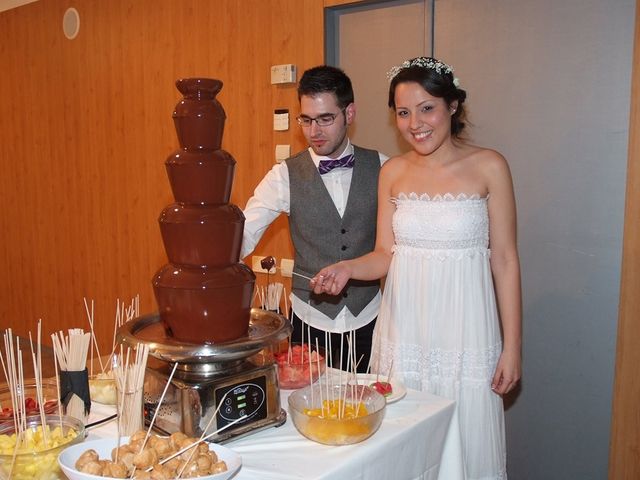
x=32 y=440
x=102 y=384
x=13 y=370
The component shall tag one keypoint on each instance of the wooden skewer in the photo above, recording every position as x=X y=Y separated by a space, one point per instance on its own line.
x=93 y=335
x=301 y=353
x=204 y=432
x=319 y=383
x=202 y=439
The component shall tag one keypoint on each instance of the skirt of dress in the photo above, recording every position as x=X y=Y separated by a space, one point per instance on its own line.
x=438 y=329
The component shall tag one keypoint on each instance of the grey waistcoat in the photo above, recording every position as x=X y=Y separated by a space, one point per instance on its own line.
x=320 y=237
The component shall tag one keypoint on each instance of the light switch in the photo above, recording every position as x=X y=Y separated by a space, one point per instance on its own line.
x=282 y=152
x=281 y=119
x=283 y=73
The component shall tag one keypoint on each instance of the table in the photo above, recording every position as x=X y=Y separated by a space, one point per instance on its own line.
x=414 y=442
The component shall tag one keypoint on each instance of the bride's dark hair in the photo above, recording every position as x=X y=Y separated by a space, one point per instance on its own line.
x=438 y=80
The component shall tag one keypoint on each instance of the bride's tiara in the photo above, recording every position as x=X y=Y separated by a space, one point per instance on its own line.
x=423 y=62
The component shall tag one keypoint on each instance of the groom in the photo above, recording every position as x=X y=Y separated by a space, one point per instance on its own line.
x=329 y=192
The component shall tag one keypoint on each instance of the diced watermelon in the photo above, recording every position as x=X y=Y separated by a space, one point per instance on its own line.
x=384 y=388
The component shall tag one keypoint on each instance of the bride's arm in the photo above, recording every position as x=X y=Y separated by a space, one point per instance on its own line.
x=373 y=265
x=505 y=267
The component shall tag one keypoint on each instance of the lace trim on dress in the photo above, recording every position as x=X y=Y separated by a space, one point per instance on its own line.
x=472 y=367
x=438 y=197
x=453 y=251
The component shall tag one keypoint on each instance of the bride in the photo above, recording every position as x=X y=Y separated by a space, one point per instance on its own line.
x=450 y=320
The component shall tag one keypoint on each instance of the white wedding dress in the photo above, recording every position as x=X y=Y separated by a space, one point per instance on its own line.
x=438 y=326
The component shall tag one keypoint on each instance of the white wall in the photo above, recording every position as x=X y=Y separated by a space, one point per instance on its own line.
x=549 y=87
x=367 y=40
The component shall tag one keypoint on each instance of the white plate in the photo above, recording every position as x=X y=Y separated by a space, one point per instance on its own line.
x=67 y=459
x=398 y=388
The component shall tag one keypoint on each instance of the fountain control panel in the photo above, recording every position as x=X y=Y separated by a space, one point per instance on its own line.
x=248 y=399
x=190 y=404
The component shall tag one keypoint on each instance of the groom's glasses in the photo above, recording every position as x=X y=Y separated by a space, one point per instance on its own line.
x=322 y=120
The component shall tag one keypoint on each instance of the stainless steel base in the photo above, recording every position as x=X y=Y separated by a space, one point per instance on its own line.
x=189 y=406
x=236 y=375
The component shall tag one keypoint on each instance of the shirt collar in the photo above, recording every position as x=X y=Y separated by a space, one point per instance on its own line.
x=348 y=150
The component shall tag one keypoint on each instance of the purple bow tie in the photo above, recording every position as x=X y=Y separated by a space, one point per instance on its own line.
x=327 y=165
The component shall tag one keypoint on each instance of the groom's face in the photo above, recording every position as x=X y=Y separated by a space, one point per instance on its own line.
x=329 y=140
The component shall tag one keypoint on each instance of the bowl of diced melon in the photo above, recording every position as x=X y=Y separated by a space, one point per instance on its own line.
x=299 y=365
x=37 y=451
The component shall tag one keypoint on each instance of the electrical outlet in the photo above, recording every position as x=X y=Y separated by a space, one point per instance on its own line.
x=282 y=152
x=257 y=268
x=286 y=267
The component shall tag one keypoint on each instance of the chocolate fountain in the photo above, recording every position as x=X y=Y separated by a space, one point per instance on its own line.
x=205 y=321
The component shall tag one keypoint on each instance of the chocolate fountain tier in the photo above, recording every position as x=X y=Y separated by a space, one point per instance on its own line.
x=199 y=235
x=204 y=305
x=201 y=177
x=265 y=328
x=198 y=117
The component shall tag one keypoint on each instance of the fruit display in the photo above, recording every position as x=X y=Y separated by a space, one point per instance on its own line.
x=337 y=415
x=36 y=456
x=384 y=388
x=297 y=368
x=102 y=388
x=30 y=407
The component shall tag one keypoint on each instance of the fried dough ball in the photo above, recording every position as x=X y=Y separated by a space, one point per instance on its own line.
x=190 y=470
x=160 y=472
x=162 y=446
x=174 y=464
x=92 y=468
x=146 y=458
x=175 y=438
x=139 y=435
x=87 y=457
x=125 y=455
x=219 y=467
x=204 y=463
x=115 y=470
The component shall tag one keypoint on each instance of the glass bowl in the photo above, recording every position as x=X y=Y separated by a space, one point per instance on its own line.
x=36 y=461
x=102 y=388
x=335 y=424
x=49 y=392
x=294 y=370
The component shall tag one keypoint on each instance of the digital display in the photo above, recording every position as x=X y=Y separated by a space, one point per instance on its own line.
x=248 y=398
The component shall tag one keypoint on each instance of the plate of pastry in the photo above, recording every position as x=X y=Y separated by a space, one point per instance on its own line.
x=94 y=459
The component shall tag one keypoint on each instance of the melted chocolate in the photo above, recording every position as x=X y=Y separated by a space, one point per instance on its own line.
x=204 y=294
x=268 y=263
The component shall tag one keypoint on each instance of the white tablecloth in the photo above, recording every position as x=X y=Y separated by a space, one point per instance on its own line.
x=412 y=443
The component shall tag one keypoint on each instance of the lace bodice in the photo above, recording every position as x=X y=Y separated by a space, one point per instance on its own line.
x=441 y=222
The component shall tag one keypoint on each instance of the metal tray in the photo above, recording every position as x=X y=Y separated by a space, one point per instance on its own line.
x=265 y=328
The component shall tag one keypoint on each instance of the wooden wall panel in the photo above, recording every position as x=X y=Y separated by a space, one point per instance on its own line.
x=86 y=126
x=624 y=457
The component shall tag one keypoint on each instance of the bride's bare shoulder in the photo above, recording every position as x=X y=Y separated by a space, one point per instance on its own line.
x=395 y=165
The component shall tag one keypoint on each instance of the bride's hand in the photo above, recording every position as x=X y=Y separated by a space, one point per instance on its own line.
x=508 y=372
x=331 y=279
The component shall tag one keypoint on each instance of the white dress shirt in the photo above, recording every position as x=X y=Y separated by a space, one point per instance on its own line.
x=270 y=199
